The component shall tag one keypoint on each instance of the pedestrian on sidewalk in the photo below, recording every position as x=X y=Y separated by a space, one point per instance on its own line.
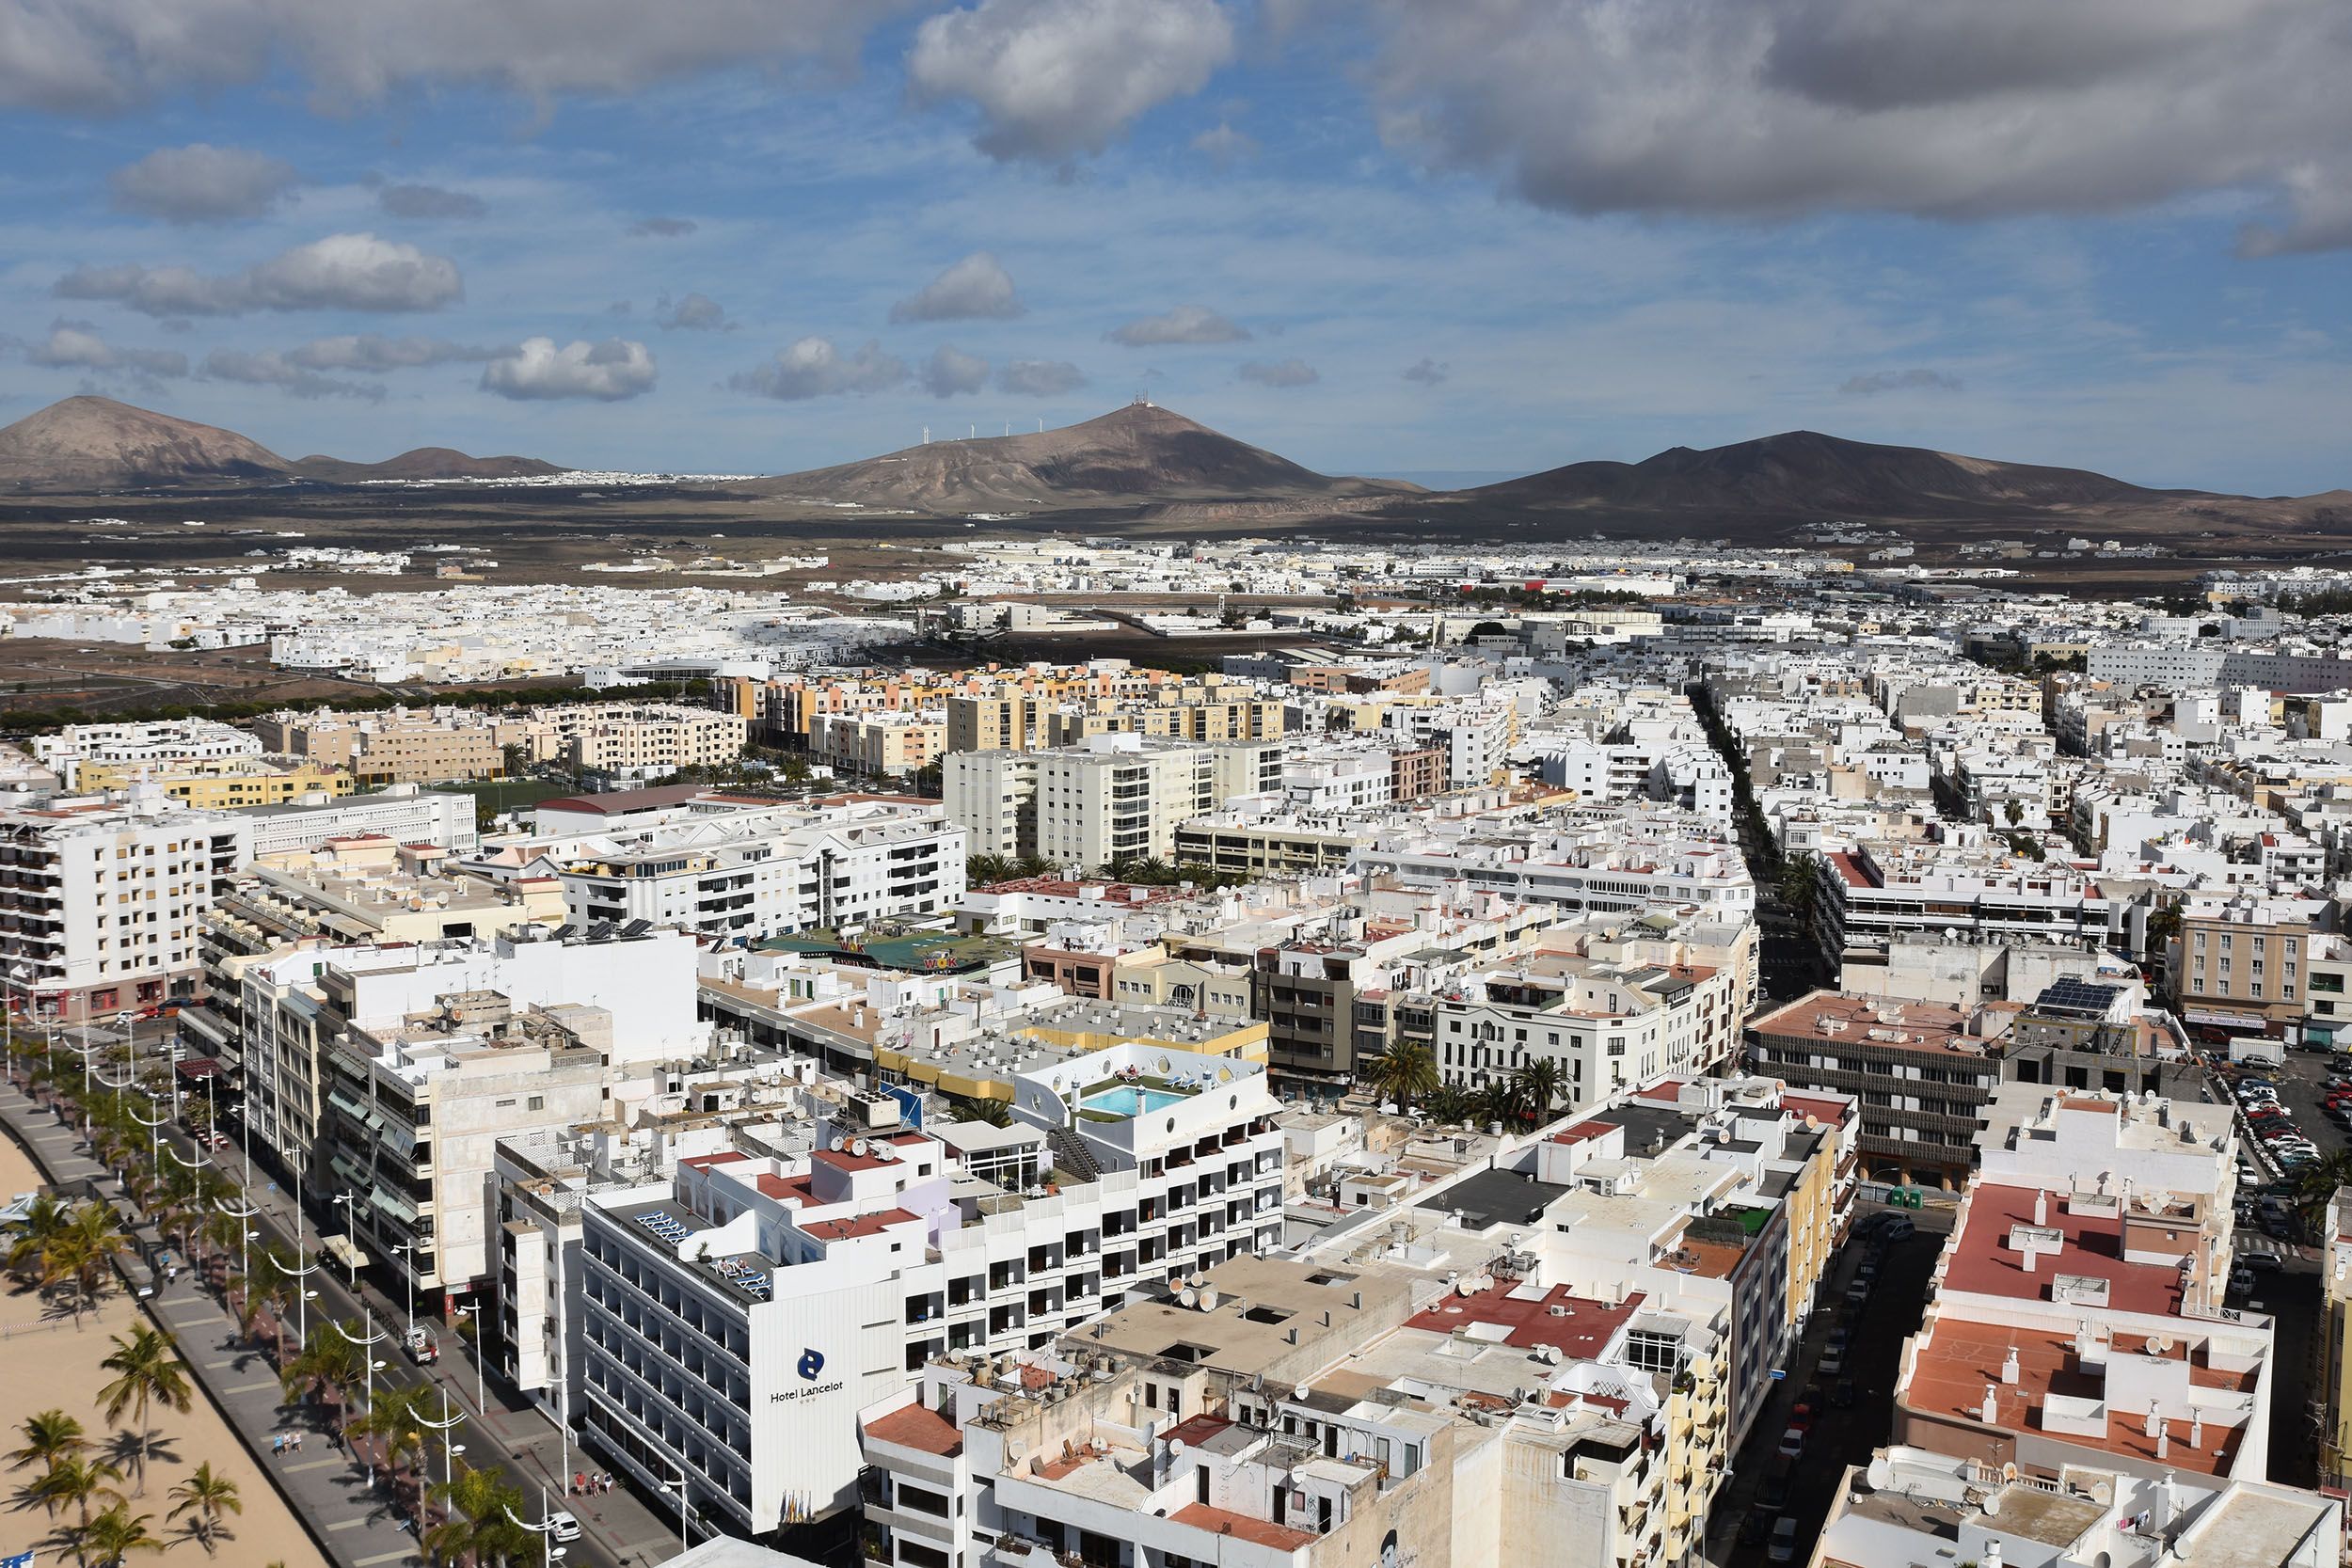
x=579 y=1482
x=278 y=1446
x=297 y=1440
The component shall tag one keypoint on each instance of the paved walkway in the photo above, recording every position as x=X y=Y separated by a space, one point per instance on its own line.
x=329 y=1492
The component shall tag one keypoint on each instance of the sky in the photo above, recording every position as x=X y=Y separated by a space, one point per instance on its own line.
x=1378 y=236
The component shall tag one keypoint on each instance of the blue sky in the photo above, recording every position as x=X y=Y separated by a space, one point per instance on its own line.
x=1377 y=237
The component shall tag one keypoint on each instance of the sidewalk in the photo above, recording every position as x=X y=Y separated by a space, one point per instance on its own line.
x=618 y=1527
x=326 y=1490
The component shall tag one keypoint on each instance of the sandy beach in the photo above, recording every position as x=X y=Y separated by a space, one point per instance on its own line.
x=58 y=1368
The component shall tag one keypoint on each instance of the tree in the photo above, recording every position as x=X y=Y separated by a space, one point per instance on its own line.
x=1404 y=1072
x=207 y=1494
x=83 y=1254
x=106 y=1540
x=330 y=1365
x=1541 y=1084
x=45 y=1219
x=147 y=1372
x=2013 y=811
x=2316 y=1185
x=50 y=1436
x=1800 y=885
x=396 y=1423
x=79 y=1479
x=483 y=1507
x=1498 y=1101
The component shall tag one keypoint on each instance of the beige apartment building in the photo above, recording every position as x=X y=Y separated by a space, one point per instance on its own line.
x=223 y=783
x=889 y=745
x=2238 y=963
x=638 y=740
x=398 y=745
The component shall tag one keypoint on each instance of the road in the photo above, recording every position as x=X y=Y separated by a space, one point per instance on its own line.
x=618 y=1530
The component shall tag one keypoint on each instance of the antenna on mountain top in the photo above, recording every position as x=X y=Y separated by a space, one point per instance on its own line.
x=1143 y=399
x=1008 y=427
x=927 y=436
x=1040 y=427
x=973 y=434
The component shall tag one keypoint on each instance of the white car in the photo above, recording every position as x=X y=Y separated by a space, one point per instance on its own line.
x=564 y=1526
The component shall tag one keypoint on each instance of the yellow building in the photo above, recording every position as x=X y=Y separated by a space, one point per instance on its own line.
x=224 y=783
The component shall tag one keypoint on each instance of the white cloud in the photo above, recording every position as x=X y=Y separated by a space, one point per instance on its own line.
x=341 y=272
x=76 y=345
x=368 y=352
x=693 y=313
x=98 y=57
x=200 y=184
x=430 y=202
x=974 y=288
x=536 y=368
x=1056 y=78
x=1185 y=323
x=1771 y=107
x=814 y=368
x=1918 y=379
x=1224 y=146
x=271 y=368
x=1041 y=378
x=1293 y=371
x=949 y=372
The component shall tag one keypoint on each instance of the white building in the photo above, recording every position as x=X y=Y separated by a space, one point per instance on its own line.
x=158 y=741
x=101 y=904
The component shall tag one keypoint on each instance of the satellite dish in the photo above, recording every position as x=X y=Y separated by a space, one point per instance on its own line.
x=1880 y=1474
x=837 y=1145
x=1299 y=1392
x=1175 y=1447
x=857 y=1145
x=1185 y=1297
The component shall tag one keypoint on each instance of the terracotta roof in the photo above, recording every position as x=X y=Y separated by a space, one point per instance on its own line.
x=1982 y=1263
x=1581 y=1333
x=1260 y=1532
x=919 y=1427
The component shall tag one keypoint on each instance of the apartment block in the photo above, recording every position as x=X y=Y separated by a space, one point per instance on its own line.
x=738 y=1318
x=155 y=744
x=1608 y=1025
x=2238 y=963
x=398 y=745
x=877 y=745
x=101 y=904
x=1923 y=1074
x=222 y=784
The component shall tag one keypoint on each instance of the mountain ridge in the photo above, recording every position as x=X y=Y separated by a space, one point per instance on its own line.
x=98 y=443
x=1139 y=453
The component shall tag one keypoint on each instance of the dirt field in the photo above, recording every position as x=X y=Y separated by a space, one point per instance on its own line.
x=57 y=1368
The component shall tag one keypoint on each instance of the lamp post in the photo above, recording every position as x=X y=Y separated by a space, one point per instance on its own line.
x=449 y=1450
x=683 y=1544
x=544 y=1529
x=373 y=1337
x=243 y=1213
x=407 y=1251
x=155 y=1134
x=351 y=1235
x=481 y=1386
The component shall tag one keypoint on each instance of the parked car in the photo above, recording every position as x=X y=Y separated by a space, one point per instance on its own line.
x=1843 y=1395
x=1832 y=1361
x=1783 y=1546
x=1755 y=1527
x=1792 y=1442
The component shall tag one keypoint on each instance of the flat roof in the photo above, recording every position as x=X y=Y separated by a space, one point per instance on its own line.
x=1981 y=1261
x=1493 y=1197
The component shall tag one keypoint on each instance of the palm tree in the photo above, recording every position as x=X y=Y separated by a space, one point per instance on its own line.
x=105 y=1540
x=78 y=1479
x=146 y=1372
x=1449 y=1105
x=1541 y=1083
x=49 y=1437
x=328 y=1366
x=207 y=1494
x=44 y=1221
x=1403 y=1070
x=70 y=1246
x=397 y=1422
x=483 y=1507
x=1498 y=1101
x=2316 y=1185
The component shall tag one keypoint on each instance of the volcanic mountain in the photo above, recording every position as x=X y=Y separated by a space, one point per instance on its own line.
x=1803 y=476
x=1138 y=454
x=93 y=443
x=97 y=444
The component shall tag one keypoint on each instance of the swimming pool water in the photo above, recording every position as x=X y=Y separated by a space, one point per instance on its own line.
x=1130 y=1099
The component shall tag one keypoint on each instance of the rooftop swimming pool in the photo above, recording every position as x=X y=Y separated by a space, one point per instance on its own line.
x=1130 y=1099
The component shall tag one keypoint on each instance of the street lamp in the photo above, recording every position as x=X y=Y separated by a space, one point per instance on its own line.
x=481 y=1387
x=680 y=1487
x=544 y=1529
x=449 y=1450
x=373 y=1337
x=243 y=1213
x=407 y=1251
x=351 y=1235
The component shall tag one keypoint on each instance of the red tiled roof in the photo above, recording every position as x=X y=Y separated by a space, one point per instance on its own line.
x=1583 y=1131
x=1581 y=1334
x=1258 y=1532
x=1196 y=1430
x=1982 y=1263
x=1833 y=1112
x=859 y=1225
x=919 y=1427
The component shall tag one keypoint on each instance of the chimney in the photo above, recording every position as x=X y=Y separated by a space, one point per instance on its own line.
x=2008 y=1366
x=1992 y=1411
x=2041 y=1207
x=2196 y=1430
x=1991 y=1555
x=2164 y=1441
x=2156 y=1420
